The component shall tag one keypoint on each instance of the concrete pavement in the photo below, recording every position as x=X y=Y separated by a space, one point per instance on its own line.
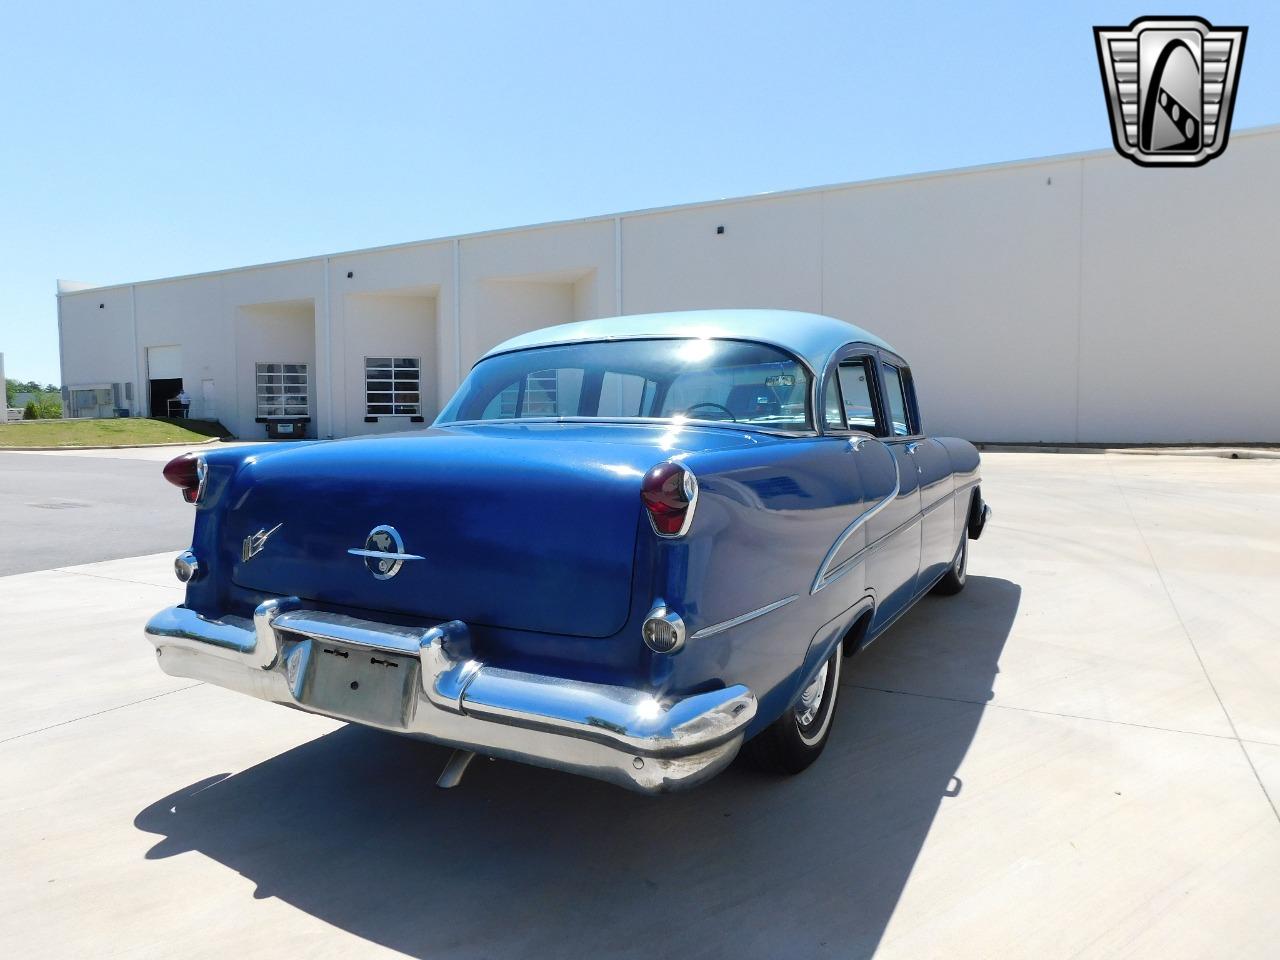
x=1076 y=757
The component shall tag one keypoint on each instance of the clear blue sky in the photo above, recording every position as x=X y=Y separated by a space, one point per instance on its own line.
x=148 y=140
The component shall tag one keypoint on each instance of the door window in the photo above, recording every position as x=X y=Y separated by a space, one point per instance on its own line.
x=855 y=389
x=896 y=394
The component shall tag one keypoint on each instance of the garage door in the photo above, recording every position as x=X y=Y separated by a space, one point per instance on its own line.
x=164 y=363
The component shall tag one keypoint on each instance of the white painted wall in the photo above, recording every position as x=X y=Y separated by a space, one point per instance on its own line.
x=519 y=280
x=770 y=255
x=973 y=279
x=1180 y=326
x=1073 y=299
x=97 y=341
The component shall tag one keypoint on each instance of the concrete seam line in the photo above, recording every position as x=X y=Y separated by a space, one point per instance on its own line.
x=1052 y=713
x=98 y=713
x=99 y=576
x=1191 y=641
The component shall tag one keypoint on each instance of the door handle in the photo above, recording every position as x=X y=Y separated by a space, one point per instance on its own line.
x=911 y=447
x=857 y=443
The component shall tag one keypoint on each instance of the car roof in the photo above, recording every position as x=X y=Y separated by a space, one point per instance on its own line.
x=810 y=336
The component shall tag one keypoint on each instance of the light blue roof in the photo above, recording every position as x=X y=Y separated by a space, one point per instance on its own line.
x=810 y=336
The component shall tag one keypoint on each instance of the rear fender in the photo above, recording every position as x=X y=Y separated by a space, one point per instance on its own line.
x=824 y=642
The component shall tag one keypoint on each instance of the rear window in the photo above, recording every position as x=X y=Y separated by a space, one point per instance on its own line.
x=714 y=380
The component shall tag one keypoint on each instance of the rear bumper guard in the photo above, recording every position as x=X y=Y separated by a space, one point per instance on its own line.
x=440 y=692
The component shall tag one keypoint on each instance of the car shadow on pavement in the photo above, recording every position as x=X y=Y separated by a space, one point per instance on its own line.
x=520 y=861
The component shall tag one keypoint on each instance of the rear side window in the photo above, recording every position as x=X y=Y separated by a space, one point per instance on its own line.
x=855 y=388
x=896 y=398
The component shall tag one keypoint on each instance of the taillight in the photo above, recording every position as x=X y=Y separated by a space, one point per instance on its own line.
x=187 y=472
x=670 y=493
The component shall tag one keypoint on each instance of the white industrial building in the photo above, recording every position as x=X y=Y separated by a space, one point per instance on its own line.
x=1073 y=299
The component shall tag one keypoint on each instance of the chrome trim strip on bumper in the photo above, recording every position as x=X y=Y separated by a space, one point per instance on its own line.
x=627 y=736
x=724 y=625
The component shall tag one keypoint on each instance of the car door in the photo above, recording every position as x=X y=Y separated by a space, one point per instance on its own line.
x=894 y=537
x=933 y=476
x=851 y=416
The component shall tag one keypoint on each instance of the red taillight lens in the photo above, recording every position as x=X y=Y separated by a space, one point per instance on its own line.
x=669 y=492
x=187 y=473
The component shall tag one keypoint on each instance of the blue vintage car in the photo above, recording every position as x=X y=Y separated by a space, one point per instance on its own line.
x=626 y=548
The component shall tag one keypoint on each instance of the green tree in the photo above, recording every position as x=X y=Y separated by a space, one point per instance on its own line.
x=29 y=411
x=49 y=406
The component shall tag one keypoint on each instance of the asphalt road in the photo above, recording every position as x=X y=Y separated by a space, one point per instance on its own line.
x=62 y=509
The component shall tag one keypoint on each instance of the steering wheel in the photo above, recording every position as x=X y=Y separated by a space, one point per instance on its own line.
x=711 y=403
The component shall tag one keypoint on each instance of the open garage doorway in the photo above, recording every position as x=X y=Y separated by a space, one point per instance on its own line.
x=164 y=379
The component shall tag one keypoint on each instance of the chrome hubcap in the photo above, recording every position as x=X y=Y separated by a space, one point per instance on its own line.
x=811 y=700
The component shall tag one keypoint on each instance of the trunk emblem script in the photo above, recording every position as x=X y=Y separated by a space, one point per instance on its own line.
x=255 y=542
x=383 y=552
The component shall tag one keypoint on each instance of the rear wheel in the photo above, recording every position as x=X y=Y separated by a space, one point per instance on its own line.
x=953 y=580
x=797 y=738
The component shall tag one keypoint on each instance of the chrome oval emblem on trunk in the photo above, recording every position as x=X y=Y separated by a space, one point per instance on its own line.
x=383 y=552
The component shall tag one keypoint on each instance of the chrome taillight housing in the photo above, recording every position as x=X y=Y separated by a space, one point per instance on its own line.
x=188 y=473
x=670 y=495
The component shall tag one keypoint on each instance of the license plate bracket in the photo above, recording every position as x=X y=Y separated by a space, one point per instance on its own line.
x=361 y=684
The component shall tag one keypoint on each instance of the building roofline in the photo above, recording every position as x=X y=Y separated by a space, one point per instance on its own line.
x=1000 y=165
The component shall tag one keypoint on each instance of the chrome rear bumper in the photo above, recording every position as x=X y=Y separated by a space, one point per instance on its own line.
x=426 y=683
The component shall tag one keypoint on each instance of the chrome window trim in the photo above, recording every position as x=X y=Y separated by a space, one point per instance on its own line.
x=724 y=625
x=639 y=421
x=855 y=351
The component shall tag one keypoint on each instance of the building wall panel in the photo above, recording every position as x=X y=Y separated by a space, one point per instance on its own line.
x=1063 y=300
